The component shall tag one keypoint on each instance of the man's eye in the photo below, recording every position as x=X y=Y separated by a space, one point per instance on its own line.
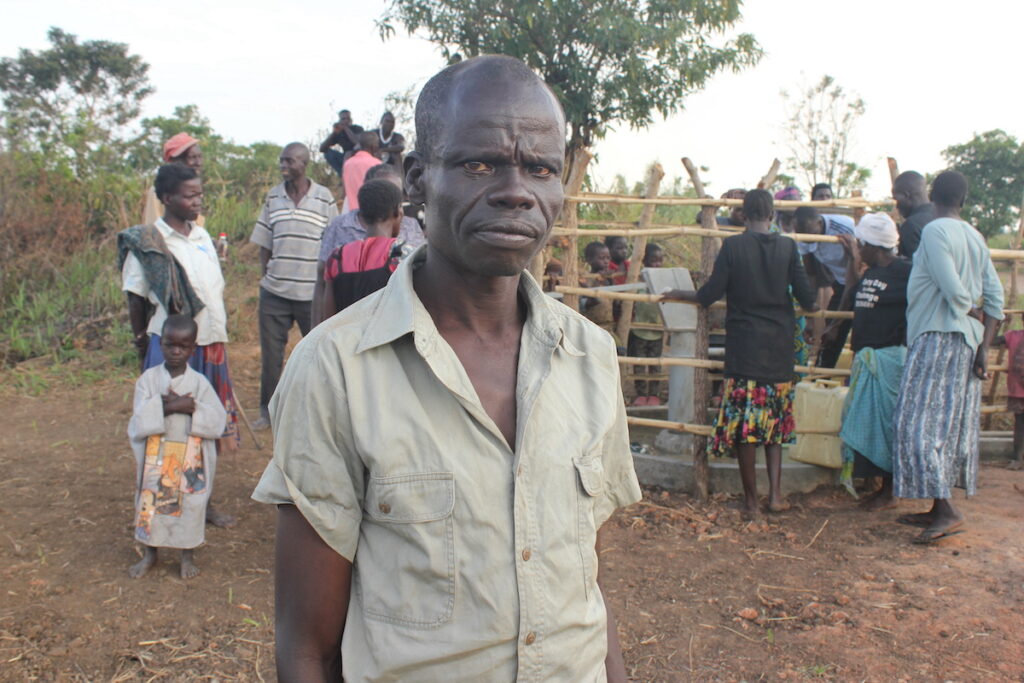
x=477 y=167
x=541 y=171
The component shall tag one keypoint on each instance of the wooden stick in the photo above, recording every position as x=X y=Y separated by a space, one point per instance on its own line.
x=630 y=230
x=570 y=218
x=701 y=382
x=708 y=364
x=769 y=178
x=849 y=203
x=252 y=432
x=654 y=176
x=894 y=169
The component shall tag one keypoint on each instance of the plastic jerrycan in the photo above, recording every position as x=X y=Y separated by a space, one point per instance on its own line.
x=818 y=414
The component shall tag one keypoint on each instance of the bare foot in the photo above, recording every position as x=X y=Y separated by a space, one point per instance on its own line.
x=749 y=511
x=189 y=570
x=140 y=568
x=879 y=500
x=778 y=506
x=1016 y=465
x=219 y=519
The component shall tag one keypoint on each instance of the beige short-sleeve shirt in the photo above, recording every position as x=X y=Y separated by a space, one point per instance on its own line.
x=471 y=562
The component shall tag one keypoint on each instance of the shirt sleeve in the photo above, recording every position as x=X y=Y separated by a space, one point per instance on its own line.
x=332 y=206
x=262 y=232
x=147 y=409
x=620 y=484
x=327 y=241
x=910 y=237
x=133 y=279
x=209 y=418
x=714 y=288
x=315 y=466
x=991 y=290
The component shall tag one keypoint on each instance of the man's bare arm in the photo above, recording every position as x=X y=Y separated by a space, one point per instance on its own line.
x=312 y=584
x=614 y=663
x=265 y=255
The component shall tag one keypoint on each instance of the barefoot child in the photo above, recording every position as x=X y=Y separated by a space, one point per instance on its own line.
x=1015 y=390
x=176 y=420
x=755 y=271
x=647 y=343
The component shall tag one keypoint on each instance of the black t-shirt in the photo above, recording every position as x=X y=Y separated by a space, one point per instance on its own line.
x=880 y=307
x=393 y=158
x=344 y=141
x=910 y=229
x=756 y=271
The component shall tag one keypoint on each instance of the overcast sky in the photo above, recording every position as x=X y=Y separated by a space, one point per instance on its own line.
x=932 y=73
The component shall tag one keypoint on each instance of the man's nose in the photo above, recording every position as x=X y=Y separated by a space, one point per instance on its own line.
x=510 y=192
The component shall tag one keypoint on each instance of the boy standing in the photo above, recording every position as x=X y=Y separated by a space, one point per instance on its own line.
x=176 y=420
x=647 y=343
x=1015 y=390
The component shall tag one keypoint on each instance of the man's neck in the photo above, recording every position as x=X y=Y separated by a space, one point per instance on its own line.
x=487 y=306
x=947 y=211
x=297 y=188
x=758 y=226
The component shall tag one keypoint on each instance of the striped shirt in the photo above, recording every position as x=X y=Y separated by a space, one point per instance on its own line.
x=292 y=234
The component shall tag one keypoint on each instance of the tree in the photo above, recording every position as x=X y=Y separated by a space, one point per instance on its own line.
x=72 y=100
x=607 y=60
x=993 y=163
x=820 y=132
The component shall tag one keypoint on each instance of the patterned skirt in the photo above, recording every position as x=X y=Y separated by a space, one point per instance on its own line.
x=937 y=419
x=210 y=361
x=752 y=412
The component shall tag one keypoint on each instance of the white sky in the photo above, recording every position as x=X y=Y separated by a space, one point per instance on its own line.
x=932 y=73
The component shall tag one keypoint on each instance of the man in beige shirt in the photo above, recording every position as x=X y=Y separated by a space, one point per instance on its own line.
x=447 y=449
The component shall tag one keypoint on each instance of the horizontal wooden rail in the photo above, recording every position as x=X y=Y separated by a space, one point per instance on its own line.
x=599 y=198
x=665 y=229
x=719 y=365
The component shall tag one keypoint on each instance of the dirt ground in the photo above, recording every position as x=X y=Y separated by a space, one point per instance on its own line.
x=822 y=592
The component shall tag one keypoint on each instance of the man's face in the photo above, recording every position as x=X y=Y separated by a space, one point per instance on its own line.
x=492 y=183
x=814 y=226
x=193 y=158
x=292 y=164
x=822 y=194
x=387 y=124
x=345 y=119
x=619 y=250
x=186 y=202
x=904 y=202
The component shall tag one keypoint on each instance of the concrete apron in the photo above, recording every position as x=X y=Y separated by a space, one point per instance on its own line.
x=675 y=472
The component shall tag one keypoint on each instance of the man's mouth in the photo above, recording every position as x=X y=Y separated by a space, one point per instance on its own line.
x=509 y=235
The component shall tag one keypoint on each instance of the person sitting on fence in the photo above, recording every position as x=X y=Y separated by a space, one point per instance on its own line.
x=598 y=311
x=756 y=271
x=878 y=299
x=176 y=420
x=734 y=219
x=618 y=247
x=360 y=268
x=939 y=407
x=821 y=192
x=644 y=343
x=1015 y=390
x=825 y=264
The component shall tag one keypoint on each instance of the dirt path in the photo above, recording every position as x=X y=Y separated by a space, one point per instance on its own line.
x=832 y=593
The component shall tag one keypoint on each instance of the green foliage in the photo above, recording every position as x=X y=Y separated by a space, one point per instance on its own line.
x=993 y=163
x=607 y=60
x=822 y=119
x=70 y=101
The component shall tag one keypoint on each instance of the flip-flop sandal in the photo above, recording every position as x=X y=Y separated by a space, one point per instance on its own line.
x=921 y=519
x=930 y=535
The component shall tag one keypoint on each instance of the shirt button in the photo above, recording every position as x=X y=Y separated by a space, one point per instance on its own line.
x=385 y=508
x=526 y=555
x=531 y=637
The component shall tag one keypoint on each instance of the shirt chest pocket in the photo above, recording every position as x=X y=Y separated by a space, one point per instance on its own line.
x=405 y=564
x=589 y=489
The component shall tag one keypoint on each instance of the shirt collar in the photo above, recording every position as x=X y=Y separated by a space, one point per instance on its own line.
x=168 y=231
x=399 y=312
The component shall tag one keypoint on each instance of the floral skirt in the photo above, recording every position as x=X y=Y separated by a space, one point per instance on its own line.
x=752 y=412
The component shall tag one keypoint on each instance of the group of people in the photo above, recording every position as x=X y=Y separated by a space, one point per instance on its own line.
x=449 y=443
x=315 y=262
x=926 y=303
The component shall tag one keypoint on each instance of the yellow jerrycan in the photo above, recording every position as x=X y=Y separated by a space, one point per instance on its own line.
x=818 y=414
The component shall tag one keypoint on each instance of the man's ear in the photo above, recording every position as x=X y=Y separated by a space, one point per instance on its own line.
x=414 y=167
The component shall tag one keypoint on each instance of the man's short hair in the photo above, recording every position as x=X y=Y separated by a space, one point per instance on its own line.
x=180 y=323
x=949 y=189
x=804 y=217
x=909 y=181
x=368 y=139
x=612 y=240
x=431 y=106
x=758 y=205
x=301 y=148
x=379 y=200
x=820 y=186
x=382 y=171
x=592 y=249
x=170 y=177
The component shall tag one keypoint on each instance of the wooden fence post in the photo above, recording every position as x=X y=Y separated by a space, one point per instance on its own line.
x=654 y=175
x=701 y=381
x=769 y=178
x=571 y=222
